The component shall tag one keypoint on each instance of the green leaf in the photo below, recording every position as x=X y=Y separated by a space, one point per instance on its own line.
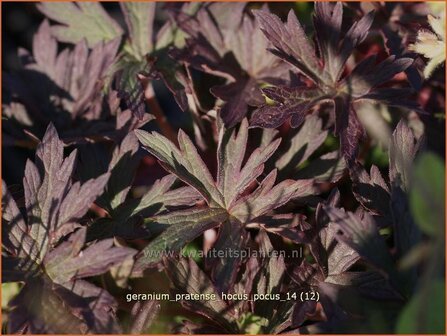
x=427 y=198
x=81 y=20
x=425 y=313
x=139 y=18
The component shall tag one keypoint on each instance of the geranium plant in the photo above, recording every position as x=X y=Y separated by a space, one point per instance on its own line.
x=225 y=168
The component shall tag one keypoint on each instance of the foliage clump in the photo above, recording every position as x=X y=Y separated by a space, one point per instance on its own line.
x=296 y=170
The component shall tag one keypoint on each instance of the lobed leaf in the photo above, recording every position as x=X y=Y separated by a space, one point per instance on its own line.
x=177 y=229
x=143 y=314
x=187 y=278
x=371 y=190
x=363 y=236
x=81 y=20
x=139 y=19
x=403 y=148
x=65 y=263
x=302 y=144
x=290 y=42
x=268 y=197
x=185 y=163
x=232 y=237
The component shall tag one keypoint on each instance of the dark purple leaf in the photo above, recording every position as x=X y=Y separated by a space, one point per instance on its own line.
x=178 y=228
x=290 y=42
x=348 y=127
x=371 y=190
x=403 y=149
x=62 y=265
x=362 y=235
x=232 y=237
x=234 y=49
x=187 y=277
x=289 y=101
x=143 y=315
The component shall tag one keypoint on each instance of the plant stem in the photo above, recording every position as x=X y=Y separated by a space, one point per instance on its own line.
x=156 y=110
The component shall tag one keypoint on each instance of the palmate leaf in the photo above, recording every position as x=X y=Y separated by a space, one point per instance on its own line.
x=389 y=202
x=139 y=41
x=81 y=20
x=185 y=163
x=66 y=262
x=187 y=278
x=362 y=235
x=267 y=197
x=230 y=197
x=139 y=17
x=403 y=149
x=126 y=220
x=177 y=229
x=233 y=178
x=122 y=165
x=294 y=102
x=272 y=279
x=303 y=143
x=55 y=206
x=375 y=194
x=160 y=197
x=224 y=41
x=143 y=314
x=265 y=274
x=335 y=255
x=232 y=235
x=16 y=239
x=67 y=89
x=52 y=200
x=45 y=307
x=371 y=190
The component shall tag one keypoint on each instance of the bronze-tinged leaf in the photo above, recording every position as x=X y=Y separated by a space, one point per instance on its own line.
x=371 y=190
x=329 y=167
x=363 y=236
x=289 y=102
x=62 y=265
x=403 y=148
x=268 y=197
x=302 y=145
x=81 y=20
x=143 y=315
x=290 y=42
x=185 y=163
x=188 y=278
x=402 y=152
x=177 y=229
x=231 y=240
x=225 y=41
x=139 y=17
x=16 y=239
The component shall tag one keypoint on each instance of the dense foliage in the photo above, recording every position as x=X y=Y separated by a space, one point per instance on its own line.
x=293 y=183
